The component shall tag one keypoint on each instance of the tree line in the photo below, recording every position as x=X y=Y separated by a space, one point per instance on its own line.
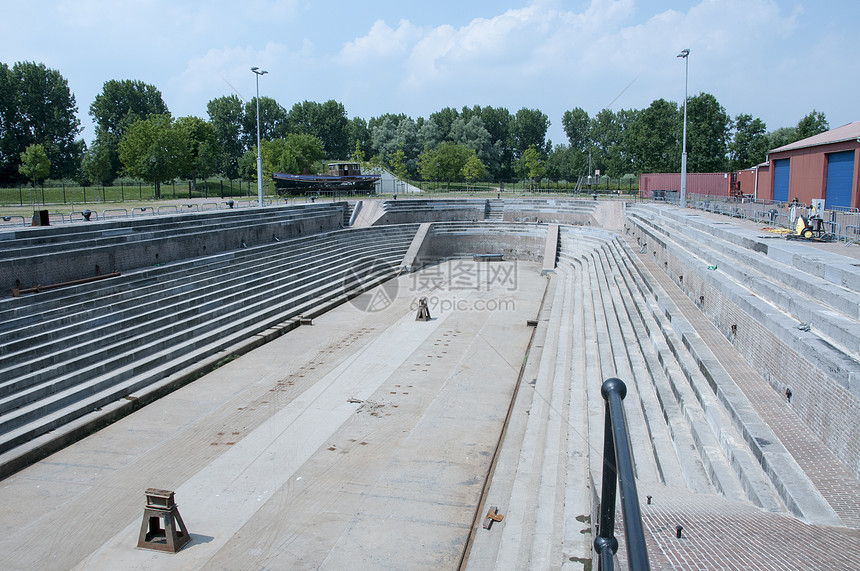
x=136 y=136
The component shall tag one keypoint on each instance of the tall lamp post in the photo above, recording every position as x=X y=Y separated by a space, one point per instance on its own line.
x=684 y=54
x=258 y=72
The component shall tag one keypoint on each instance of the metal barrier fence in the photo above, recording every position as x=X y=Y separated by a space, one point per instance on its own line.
x=843 y=223
x=140 y=211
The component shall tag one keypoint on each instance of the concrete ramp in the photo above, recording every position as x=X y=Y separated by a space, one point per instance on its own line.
x=370 y=212
x=609 y=215
x=417 y=246
x=550 y=250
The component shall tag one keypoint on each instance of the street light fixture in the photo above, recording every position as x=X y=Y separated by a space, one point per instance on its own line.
x=684 y=54
x=258 y=72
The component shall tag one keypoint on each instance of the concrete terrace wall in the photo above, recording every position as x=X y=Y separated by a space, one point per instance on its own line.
x=514 y=241
x=128 y=244
x=410 y=211
x=551 y=210
x=541 y=210
x=824 y=380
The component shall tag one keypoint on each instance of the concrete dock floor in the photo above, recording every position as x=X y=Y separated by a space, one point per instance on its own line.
x=363 y=440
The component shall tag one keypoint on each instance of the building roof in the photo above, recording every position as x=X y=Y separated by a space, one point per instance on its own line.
x=837 y=135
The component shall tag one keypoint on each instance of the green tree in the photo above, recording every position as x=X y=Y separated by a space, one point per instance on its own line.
x=297 y=154
x=384 y=140
x=750 y=144
x=474 y=169
x=781 y=137
x=208 y=161
x=398 y=164
x=445 y=162
x=357 y=153
x=497 y=122
x=566 y=163
x=389 y=137
x=610 y=150
x=97 y=160
x=444 y=119
x=394 y=118
x=576 y=123
x=430 y=134
x=202 y=148
x=226 y=116
x=121 y=103
x=272 y=117
x=472 y=133
x=531 y=165
x=326 y=121
x=359 y=134
x=528 y=129
x=154 y=149
x=247 y=165
x=708 y=130
x=653 y=140
x=36 y=107
x=407 y=141
x=35 y=164
x=812 y=124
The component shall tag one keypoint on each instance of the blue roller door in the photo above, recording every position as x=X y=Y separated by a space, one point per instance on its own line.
x=840 y=172
x=781 y=169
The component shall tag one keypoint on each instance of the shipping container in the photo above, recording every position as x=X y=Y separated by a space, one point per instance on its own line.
x=714 y=184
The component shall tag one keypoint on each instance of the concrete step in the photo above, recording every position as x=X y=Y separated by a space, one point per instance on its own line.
x=550 y=492
x=131 y=251
x=541 y=388
x=643 y=371
x=191 y=311
x=169 y=374
x=38 y=418
x=122 y=238
x=27 y=313
x=788 y=480
x=508 y=543
x=730 y=464
x=576 y=538
x=115 y=354
x=671 y=427
x=207 y=282
x=221 y=288
x=616 y=363
x=495 y=210
x=130 y=290
x=801 y=296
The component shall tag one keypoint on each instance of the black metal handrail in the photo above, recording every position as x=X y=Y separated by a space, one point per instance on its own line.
x=618 y=471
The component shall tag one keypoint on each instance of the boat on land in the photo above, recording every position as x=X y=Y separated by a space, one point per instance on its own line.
x=342 y=177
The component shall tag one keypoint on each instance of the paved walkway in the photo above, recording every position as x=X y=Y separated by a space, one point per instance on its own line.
x=841 y=248
x=724 y=535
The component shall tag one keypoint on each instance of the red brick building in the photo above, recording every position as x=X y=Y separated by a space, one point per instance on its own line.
x=825 y=166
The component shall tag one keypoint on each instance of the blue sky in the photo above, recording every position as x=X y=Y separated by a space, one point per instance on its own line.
x=773 y=59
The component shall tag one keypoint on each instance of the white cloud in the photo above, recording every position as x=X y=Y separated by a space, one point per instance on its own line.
x=381 y=42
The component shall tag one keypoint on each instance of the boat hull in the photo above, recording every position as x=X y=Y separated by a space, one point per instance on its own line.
x=301 y=183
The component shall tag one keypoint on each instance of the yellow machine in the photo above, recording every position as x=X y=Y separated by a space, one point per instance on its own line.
x=811 y=227
x=803 y=229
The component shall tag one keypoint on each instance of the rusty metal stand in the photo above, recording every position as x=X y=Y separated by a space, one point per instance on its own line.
x=172 y=535
x=423 y=310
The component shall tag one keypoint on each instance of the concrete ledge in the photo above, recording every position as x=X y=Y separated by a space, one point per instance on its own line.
x=550 y=252
x=416 y=248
